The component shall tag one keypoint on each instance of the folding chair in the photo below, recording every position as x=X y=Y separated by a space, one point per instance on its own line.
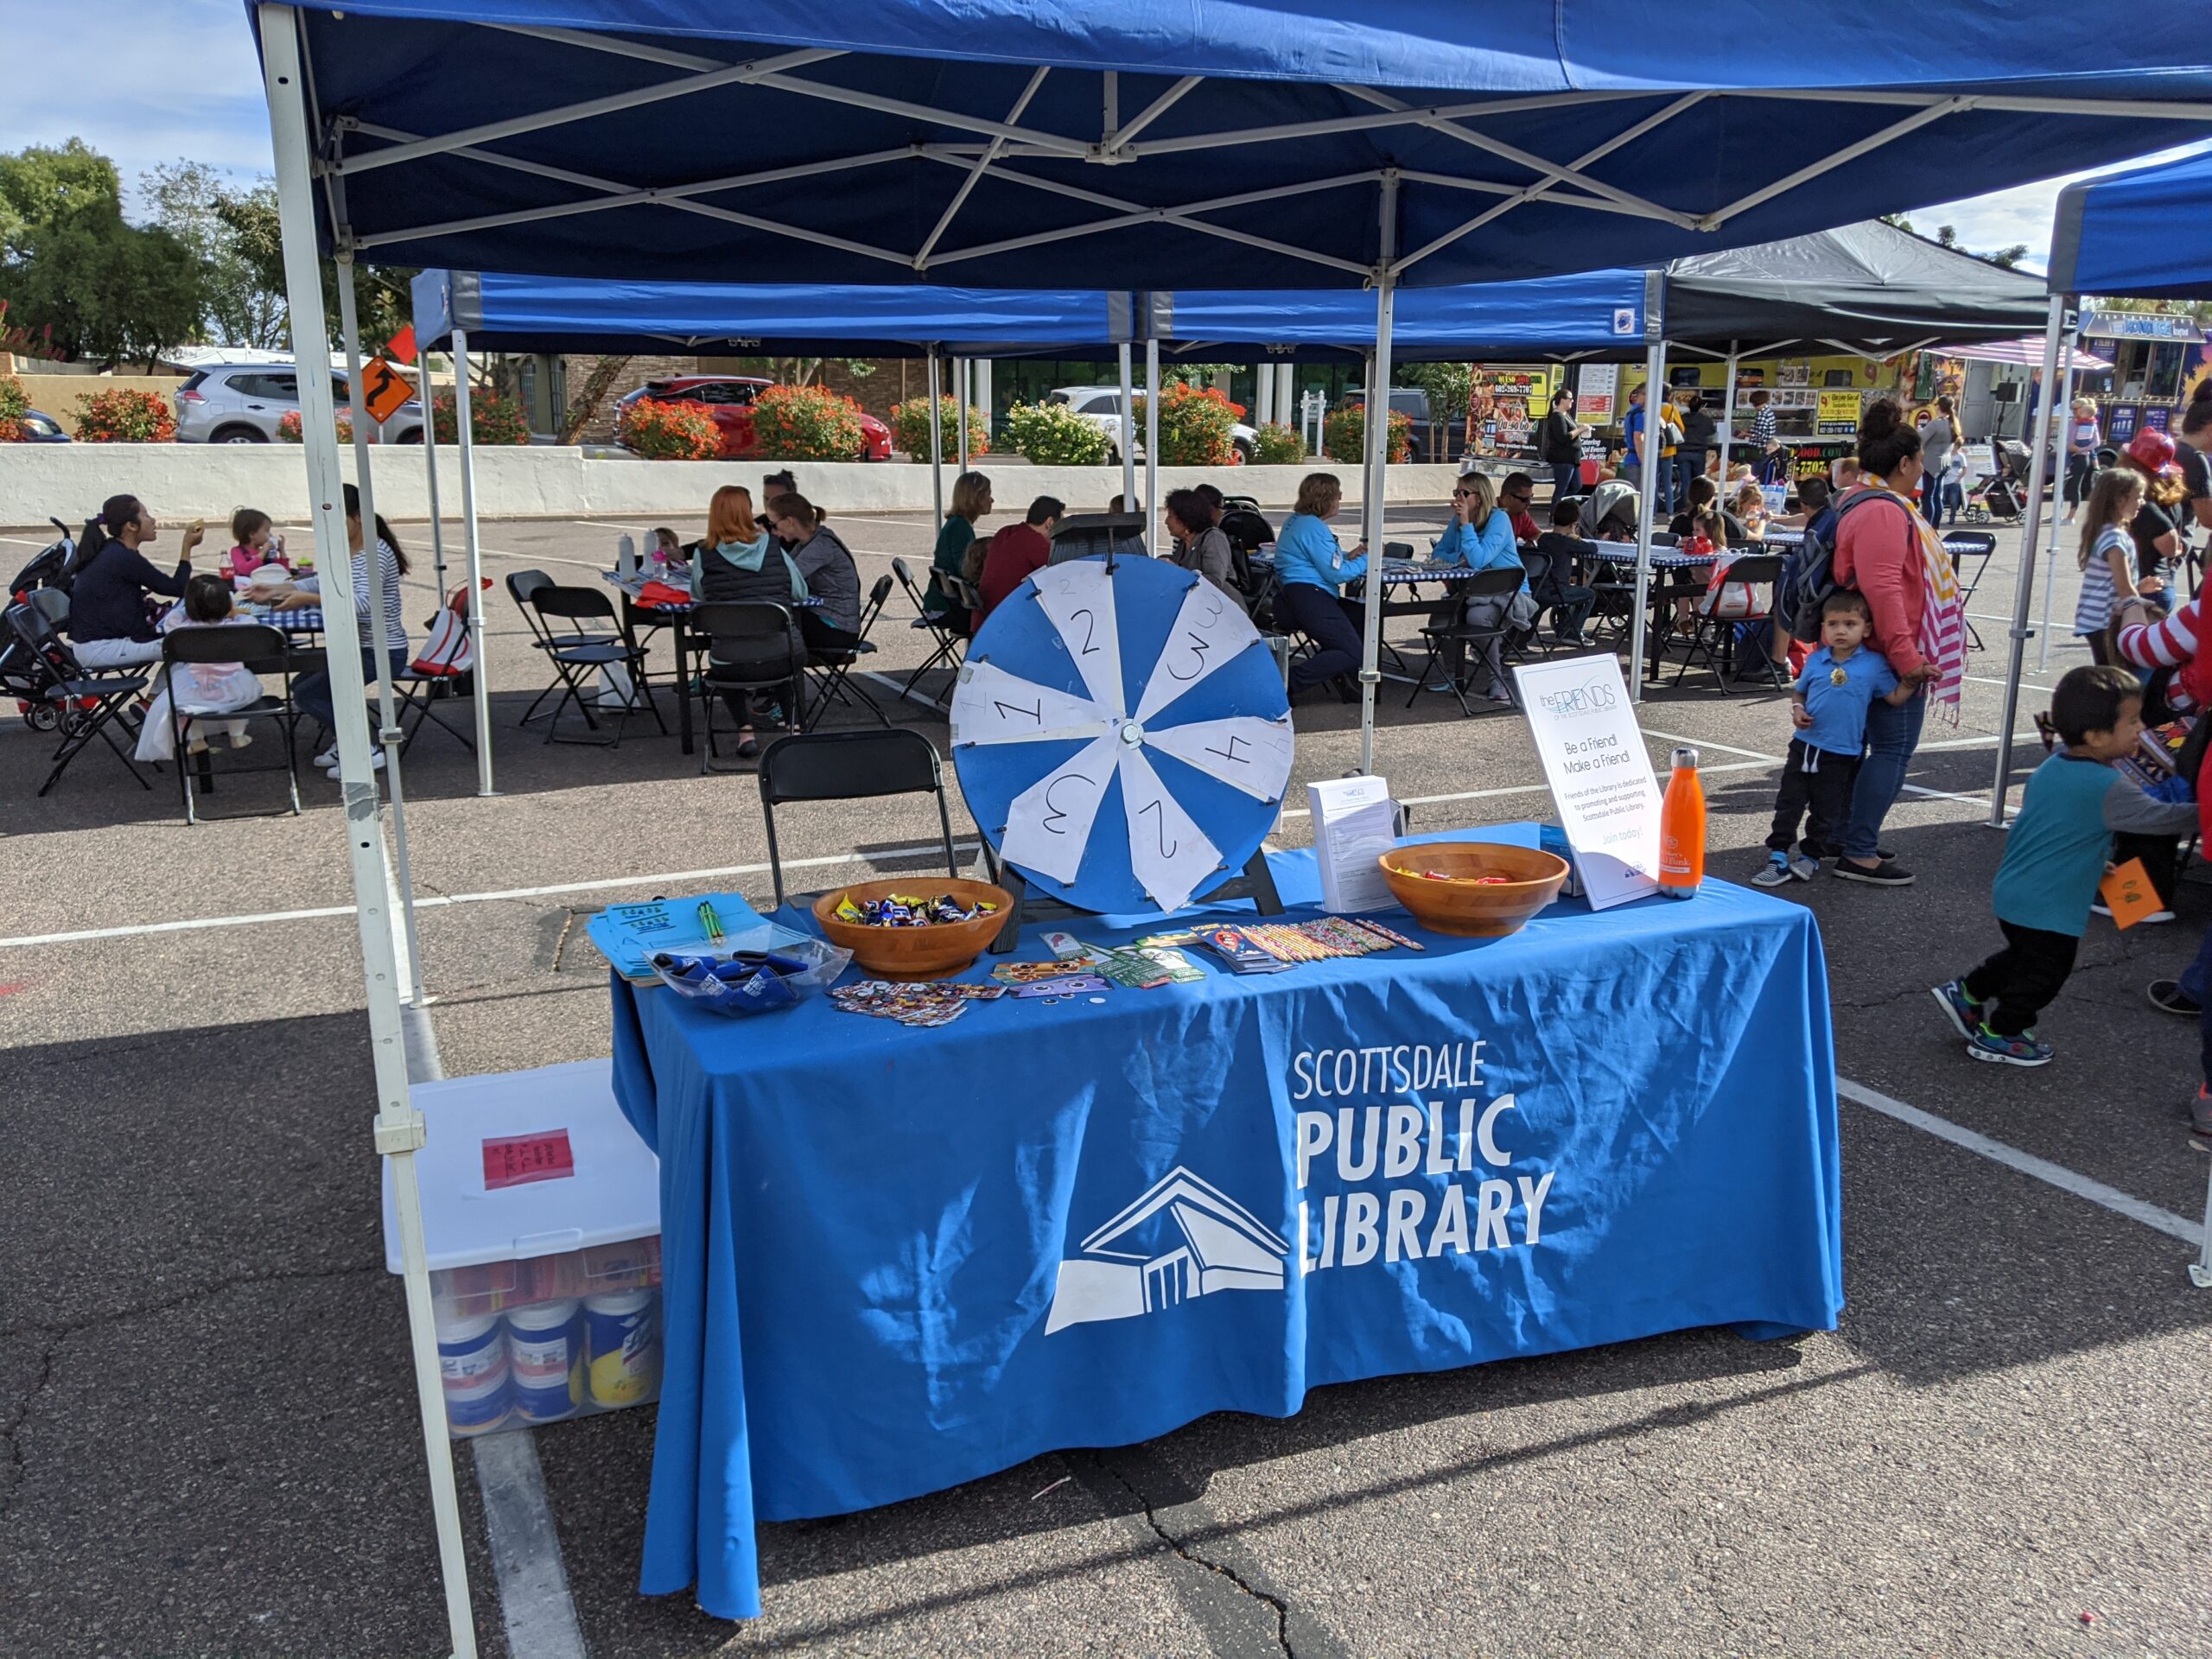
x=950 y=650
x=851 y=767
x=748 y=649
x=522 y=586
x=831 y=664
x=418 y=694
x=1975 y=548
x=1709 y=634
x=1440 y=637
x=263 y=650
x=577 y=653
x=84 y=705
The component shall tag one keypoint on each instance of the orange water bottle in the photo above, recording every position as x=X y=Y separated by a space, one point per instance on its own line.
x=1682 y=830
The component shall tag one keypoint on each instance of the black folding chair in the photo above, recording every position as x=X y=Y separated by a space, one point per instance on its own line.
x=84 y=705
x=851 y=767
x=950 y=648
x=1711 y=638
x=523 y=586
x=263 y=650
x=578 y=652
x=832 y=656
x=1464 y=638
x=1971 y=551
x=748 y=650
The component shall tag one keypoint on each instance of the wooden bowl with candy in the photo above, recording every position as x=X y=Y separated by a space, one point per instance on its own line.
x=905 y=928
x=1472 y=888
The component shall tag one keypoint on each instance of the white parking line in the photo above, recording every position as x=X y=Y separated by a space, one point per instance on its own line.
x=2040 y=1169
x=438 y=902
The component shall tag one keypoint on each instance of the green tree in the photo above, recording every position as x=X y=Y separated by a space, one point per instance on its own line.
x=71 y=268
x=186 y=199
x=381 y=291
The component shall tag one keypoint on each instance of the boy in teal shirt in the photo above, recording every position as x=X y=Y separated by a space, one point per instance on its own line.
x=2054 y=858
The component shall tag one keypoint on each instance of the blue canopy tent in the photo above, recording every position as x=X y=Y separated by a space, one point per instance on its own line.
x=2145 y=233
x=1122 y=143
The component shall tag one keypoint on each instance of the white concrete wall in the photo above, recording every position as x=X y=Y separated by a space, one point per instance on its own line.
x=210 y=481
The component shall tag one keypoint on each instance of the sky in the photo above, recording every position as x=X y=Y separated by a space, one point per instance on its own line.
x=192 y=90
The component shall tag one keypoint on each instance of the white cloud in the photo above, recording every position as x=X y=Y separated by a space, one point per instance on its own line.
x=176 y=79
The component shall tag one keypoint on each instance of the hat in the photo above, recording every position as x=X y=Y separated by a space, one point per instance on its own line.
x=2152 y=450
x=268 y=575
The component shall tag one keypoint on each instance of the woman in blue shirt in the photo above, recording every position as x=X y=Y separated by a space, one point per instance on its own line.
x=1310 y=567
x=1480 y=537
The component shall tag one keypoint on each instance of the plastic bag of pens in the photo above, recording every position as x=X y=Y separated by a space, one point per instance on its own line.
x=757 y=981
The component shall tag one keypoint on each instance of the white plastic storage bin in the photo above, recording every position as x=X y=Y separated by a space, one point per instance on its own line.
x=547 y=1291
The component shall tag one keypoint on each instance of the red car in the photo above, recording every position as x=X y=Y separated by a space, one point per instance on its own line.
x=726 y=399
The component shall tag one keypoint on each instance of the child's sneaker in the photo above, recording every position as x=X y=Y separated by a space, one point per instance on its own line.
x=1964 y=1011
x=1803 y=866
x=2026 y=1049
x=1776 y=872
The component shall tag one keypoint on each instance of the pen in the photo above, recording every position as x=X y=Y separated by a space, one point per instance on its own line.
x=708 y=920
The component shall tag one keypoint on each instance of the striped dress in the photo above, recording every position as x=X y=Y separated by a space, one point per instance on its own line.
x=2093 y=611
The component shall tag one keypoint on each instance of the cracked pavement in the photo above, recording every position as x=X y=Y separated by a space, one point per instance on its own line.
x=211 y=1445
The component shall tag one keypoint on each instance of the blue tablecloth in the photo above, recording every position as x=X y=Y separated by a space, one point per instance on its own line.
x=896 y=1259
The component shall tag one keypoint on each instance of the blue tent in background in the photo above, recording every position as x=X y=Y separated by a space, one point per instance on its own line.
x=2145 y=233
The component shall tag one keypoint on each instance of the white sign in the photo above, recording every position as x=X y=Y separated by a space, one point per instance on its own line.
x=1355 y=822
x=1600 y=776
x=1595 y=390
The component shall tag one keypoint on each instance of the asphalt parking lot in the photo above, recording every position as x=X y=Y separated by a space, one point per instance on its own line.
x=210 y=1438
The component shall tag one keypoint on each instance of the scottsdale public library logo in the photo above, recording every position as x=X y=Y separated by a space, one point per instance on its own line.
x=1199 y=1241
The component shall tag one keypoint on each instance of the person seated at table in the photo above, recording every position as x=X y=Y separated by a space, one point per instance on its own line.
x=971 y=500
x=742 y=564
x=202 y=688
x=1196 y=541
x=1750 y=510
x=1514 y=496
x=1812 y=495
x=670 y=546
x=109 y=624
x=1703 y=498
x=823 y=563
x=1558 y=588
x=254 y=542
x=1480 y=537
x=1016 y=552
x=780 y=482
x=312 y=691
x=1310 y=567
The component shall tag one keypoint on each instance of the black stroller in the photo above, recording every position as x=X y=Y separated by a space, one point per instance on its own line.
x=2001 y=496
x=22 y=676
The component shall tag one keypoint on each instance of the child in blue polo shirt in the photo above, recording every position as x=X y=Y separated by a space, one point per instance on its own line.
x=1828 y=707
x=2054 y=858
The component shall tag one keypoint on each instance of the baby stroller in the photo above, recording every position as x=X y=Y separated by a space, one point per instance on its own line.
x=53 y=565
x=2000 y=497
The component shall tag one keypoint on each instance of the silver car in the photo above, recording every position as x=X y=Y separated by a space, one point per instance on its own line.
x=242 y=403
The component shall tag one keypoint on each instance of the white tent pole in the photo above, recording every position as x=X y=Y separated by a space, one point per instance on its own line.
x=1646 y=478
x=936 y=444
x=463 y=420
x=398 y=1126
x=389 y=733
x=1376 y=436
x=1263 y=396
x=1127 y=443
x=430 y=467
x=1727 y=423
x=2025 y=592
x=2050 y=551
x=960 y=402
x=1152 y=448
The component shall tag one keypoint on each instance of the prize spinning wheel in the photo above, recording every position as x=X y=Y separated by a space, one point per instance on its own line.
x=1122 y=734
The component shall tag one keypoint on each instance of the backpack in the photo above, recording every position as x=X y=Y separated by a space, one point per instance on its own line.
x=1809 y=578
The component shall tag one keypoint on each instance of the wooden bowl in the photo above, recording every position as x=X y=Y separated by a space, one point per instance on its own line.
x=938 y=951
x=1462 y=906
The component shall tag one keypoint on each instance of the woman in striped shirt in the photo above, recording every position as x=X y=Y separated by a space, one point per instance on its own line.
x=313 y=691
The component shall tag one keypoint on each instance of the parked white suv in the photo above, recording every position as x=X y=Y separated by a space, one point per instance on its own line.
x=242 y=403
x=1102 y=407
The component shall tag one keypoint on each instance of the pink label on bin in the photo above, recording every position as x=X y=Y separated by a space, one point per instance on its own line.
x=515 y=1160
